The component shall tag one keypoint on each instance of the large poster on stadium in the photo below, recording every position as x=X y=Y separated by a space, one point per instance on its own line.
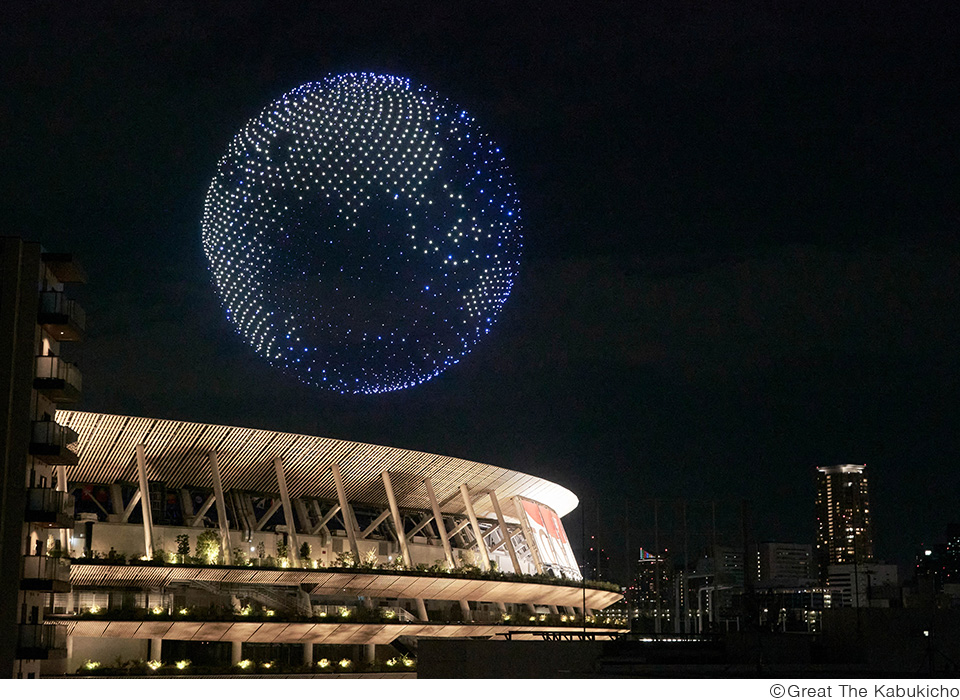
x=550 y=539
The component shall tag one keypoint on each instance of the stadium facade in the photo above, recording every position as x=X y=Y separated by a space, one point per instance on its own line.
x=185 y=531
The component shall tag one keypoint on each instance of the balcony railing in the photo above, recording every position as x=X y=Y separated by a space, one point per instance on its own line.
x=53 y=443
x=60 y=380
x=41 y=641
x=42 y=573
x=60 y=316
x=45 y=500
x=46 y=506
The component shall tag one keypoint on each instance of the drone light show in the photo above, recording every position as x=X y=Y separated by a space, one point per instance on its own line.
x=363 y=233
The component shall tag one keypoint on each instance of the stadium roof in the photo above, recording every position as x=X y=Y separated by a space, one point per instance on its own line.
x=177 y=454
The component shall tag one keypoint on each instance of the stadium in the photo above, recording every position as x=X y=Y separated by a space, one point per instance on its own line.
x=245 y=548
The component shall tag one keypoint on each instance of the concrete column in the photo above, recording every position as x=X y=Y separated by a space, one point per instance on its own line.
x=145 y=502
x=293 y=551
x=438 y=518
x=369 y=650
x=527 y=535
x=465 y=611
x=397 y=520
x=221 y=510
x=348 y=520
x=422 y=610
x=156 y=648
x=502 y=607
x=308 y=654
x=553 y=610
x=506 y=533
x=236 y=652
x=474 y=523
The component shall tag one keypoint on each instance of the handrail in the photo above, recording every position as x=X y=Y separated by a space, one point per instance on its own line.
x=51 y=367
x=45 y=500
x=58 y=303
x=48 y=432
x=45 y=568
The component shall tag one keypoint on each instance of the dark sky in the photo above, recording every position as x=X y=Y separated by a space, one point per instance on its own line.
x=741 y=257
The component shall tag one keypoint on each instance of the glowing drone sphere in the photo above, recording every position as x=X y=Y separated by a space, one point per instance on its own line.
x=363 y=233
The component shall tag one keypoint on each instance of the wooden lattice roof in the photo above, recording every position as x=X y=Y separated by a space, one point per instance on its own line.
x=177 y=454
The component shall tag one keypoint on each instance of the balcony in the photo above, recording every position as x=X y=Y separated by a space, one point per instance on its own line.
x=41 y=641
x=46 y=507
x=58 y=380
x=51 y=443
x=61 y=317
x=41 y=573
x=64 y=267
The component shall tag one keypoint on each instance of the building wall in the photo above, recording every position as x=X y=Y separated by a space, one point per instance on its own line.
x=858 y=583
x=784 y=564
x=19 y=299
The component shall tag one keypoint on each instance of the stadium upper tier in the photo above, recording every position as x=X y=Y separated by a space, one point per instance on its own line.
x=177 y=453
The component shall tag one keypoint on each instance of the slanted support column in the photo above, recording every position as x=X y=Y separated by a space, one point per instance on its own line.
x=145 y=502
x=505 y=533
x=221 y=510
x=293 y=550
x=438 y=518
x=397 y=520
x=475 y=524
x=465 y=611
x=347 y=511
x=422 y=610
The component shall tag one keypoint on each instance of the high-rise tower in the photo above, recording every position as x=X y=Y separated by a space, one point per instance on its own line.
x=38 y=320
x=844 y=530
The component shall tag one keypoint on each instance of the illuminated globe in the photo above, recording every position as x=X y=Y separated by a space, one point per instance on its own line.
x=363 y=233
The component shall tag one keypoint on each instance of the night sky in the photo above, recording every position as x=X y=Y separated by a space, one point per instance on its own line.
x=741 y=255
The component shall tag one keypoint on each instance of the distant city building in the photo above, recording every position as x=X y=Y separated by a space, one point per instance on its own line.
x=866 y=585
x=650 y=594
x=794 y=609
x=783 y=564
x=937 y=571
x=844 y=529
x=714 y=587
